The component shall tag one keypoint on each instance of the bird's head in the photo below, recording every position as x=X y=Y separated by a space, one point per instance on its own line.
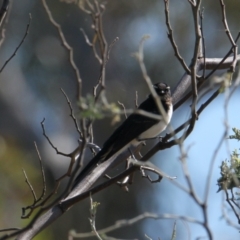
x=163 y=90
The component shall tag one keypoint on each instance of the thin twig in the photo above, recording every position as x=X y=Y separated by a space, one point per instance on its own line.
x=24 y=215
x=227 y=30
x=36 y=200
x=124 y=109
x=183 y=159
x=232 y=207
x=19 y=45
x=9 y=229
x=218 y=66
x=110 y=46
x=30 y=186
x=170 y=36
x=92 y=219
x=72 y=115
x=66 y=46
x=228 y=220
x=50 y=142
x=43 y=174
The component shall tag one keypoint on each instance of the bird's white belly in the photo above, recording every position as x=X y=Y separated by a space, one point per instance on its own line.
x=156 y=129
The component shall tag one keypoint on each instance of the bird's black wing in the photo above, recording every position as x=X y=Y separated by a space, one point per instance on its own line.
x=130 y=129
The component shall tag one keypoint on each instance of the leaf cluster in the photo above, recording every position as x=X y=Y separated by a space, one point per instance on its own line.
x=230 y=169
x=92 y=109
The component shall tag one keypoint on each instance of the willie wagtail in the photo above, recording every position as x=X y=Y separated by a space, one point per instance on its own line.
x=134 y=129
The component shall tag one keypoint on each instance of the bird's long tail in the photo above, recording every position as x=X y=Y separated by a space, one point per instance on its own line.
x=86 y=170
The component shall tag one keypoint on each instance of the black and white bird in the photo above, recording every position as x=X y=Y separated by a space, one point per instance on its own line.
x=135 y=128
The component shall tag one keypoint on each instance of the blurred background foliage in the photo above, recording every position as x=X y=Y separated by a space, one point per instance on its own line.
x=30 y=91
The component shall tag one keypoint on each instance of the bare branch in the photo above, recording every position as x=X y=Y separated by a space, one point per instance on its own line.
x=2 y=36
x=194 y=69
x=203 y=42
x=3 y=11
x=125 y=223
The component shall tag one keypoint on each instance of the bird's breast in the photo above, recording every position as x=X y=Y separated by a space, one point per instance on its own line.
x=157 y=128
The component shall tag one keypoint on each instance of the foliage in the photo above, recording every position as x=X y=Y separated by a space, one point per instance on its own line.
x=230 y=169
x=96 y=110
x=236 y=134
